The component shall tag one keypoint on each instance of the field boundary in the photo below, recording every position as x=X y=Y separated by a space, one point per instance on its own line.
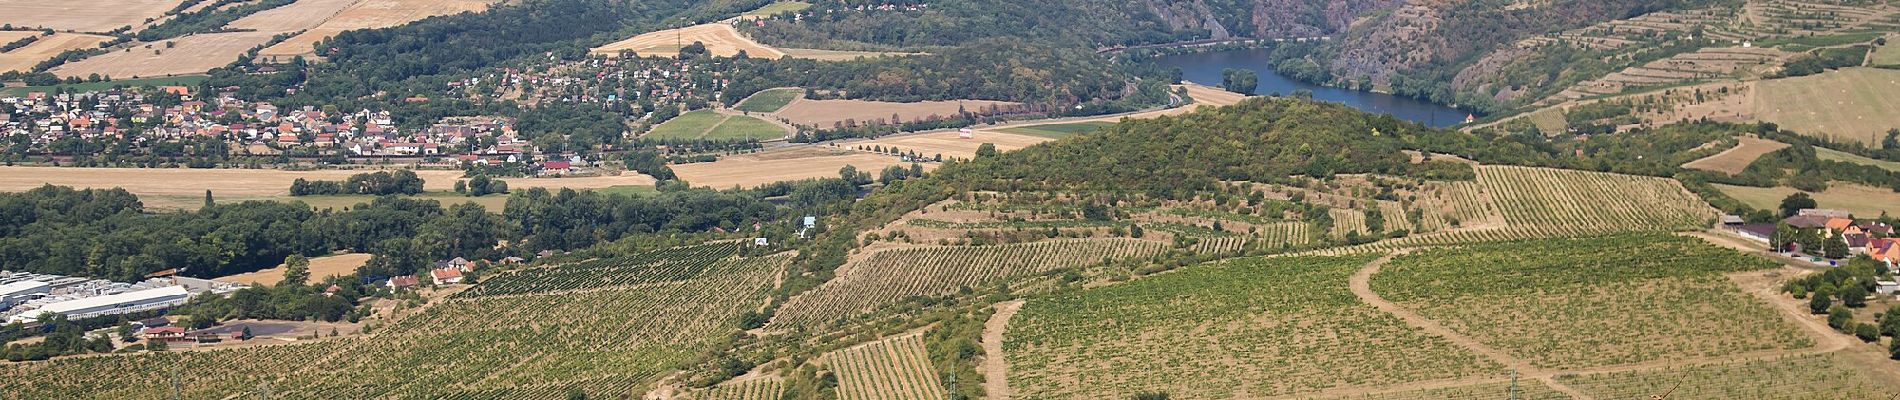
x=995 y=365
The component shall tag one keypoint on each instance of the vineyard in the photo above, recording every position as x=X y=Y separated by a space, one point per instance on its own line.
x=749 y=389
x=1279 y=326
x=1591 y=202
x=1526 y=390
x=895 y=368
x=658 y=266
x=1515 y=203
x=526 y=346
x=1569 y=304
x=887 y=277
x=1823 y=376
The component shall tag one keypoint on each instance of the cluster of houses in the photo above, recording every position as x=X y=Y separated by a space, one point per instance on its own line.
x=171 y=114
x=443 y=273
x=1874 y=239
x=605 y=81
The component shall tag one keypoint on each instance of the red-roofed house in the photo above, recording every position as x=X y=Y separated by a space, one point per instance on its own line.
x=403 y=282
x=445 y=276
x=556 y=167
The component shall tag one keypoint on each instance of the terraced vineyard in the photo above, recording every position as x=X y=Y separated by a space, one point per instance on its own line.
x=887 y=277
x=748 y=389
x=1821 y=376
x=1509 y=203
x=1279 y=326
x=895 y=368
x=658 y=266
x=538 y=345
x=1581 y=303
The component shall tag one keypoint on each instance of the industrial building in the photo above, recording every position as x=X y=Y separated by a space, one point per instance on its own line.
x=20 y=292
x=128 y=302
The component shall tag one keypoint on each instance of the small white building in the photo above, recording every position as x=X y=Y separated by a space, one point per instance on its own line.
x=1886 y=287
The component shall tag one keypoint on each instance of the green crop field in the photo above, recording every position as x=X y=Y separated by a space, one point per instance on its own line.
x=690 y=125
x=1057 y=131
x=1579 y=303
x=742 y=127
x=92 y=86
x=607 y=342
x=887 y=277
x=706 y=124
x=1825 y=376
x=770 y=100
x=1244 y=328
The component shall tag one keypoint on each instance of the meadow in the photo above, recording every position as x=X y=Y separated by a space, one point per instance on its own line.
x=1057 y=131
x=1858 y=199
x=709 y=125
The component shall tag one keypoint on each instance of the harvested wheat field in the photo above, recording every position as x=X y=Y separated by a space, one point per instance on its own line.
x=81 y=15
x=1736 y=159
x=720 y=40
x=193 y=54
x=794 y=163
x=1864 y=201
x=320 y=268
x=10 y=36
x=25 y=58
x=189 y=182
x=1853 y=104
x=365 y=14
x=826 y=113
x=301 y=15
x=950 y=144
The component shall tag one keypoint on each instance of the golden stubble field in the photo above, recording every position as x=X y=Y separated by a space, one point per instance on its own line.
x=192 y=54
x=801 y=162
x=1853 y=104
x=365 y=14
x=1736 y=159
x=720 y=40
x=25 y=58
x=320 y=268
x=81 y=15
x=179 y=188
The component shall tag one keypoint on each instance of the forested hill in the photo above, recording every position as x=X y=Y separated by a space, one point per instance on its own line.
x=1262 y=139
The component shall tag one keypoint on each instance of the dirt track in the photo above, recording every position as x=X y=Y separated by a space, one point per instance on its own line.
x=995 y=366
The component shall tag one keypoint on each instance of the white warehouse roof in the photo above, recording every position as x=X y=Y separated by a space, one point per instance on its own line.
x=24 y=287
x=164 y=293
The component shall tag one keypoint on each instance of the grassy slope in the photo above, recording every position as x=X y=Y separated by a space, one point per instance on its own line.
x=1057 y=131
x=1860 y=200
x=769 y=100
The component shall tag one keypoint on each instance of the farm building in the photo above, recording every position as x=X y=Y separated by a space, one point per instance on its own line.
x=142 y=300
x=402 y=282
x=167 y=333
x=1757 y=232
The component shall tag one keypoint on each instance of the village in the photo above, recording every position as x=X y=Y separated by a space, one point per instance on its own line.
x=1825 y=237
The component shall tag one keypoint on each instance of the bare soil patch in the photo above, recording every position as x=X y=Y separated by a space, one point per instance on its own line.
x=1736 y=159
x=794 y=163
x=320 y=268
x=24 y=58
x=81 y=15
x=828 y=113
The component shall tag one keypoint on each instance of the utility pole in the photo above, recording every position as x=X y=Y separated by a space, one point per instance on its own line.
x=1513 y=385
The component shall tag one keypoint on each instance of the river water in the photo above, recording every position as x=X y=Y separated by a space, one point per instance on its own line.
x=1205 y=68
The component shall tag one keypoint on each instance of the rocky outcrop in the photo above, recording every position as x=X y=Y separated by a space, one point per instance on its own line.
x=1311 y=18
x=1189 y=15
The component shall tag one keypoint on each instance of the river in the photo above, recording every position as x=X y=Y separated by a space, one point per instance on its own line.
x=1205 y=68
